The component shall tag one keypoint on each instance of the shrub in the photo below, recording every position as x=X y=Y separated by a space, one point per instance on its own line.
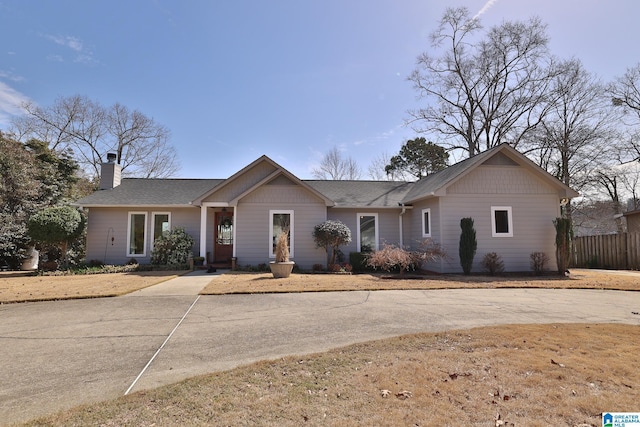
x=468 y=244
x=317 y=267
x=358 y=261
x=57 y=226
x=391 y=257
x=334 y=268
x=564 y=234
x=331 y=234
x=538 y=261
x=172 y=248
x=492 y=262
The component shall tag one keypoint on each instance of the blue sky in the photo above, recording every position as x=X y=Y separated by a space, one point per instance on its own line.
x=233 y=80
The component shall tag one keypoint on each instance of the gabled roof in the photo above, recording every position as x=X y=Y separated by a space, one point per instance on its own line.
x=342 y=194
x=278 y=171
x=150 y=192
x=356 y=194
x=435 y=185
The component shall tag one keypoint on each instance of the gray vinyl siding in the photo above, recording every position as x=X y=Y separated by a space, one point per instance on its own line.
x=241 y=183
x=104 y=223
x=534 y=206
x=388 y=225
x=415 y=221
x=252 y=224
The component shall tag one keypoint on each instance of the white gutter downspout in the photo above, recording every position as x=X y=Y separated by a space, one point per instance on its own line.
x=404 y=209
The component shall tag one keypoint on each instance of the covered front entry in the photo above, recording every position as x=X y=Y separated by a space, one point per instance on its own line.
x=223 y=238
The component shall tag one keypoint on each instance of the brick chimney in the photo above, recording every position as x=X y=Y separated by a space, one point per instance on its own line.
x=110 y=173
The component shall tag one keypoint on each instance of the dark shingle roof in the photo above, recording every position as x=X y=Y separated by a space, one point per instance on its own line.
x=362 y=193
x=374 y=194
x=150 y=192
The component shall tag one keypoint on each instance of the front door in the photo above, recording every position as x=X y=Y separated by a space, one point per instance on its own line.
x=223 y=246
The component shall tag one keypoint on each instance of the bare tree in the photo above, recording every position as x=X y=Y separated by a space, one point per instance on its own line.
x=142 y=145
x=625 y=93
x=483 y=93
x=573 y=140
x=334 y=166
x=89 y=131
x=376 y=168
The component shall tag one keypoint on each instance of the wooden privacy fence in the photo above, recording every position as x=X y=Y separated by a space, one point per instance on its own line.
x=616 y=251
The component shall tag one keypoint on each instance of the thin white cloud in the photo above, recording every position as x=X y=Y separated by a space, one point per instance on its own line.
x=10 y=76
x=71 y=42
x=484 y=8
x=11 y=102
x=380 y=137
x=83 y=54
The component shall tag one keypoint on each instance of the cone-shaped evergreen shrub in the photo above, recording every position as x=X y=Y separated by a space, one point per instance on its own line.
x=468 y=244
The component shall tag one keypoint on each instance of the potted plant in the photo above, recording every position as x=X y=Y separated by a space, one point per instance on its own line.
x=282 y=267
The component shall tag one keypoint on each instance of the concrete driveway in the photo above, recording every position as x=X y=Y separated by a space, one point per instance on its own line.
x=55 y=355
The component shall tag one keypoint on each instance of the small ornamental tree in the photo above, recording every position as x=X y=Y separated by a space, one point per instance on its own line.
x=468 y=244
x=172 y=248
x=390 y=257
x=331 y=234
x=57 y=226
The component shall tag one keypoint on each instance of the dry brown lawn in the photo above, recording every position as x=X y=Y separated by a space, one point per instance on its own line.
x=22 y=287
x=519 y=375
x=240 y=282
x=515 y=375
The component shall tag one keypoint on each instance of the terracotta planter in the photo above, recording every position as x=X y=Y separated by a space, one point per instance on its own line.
x=281 y=270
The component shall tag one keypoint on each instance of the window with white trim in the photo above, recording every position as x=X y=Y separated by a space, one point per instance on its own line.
x=426 y=222
x=501 y=221
x=367 y=232
x=137 y=234
x=161 y=223
x=280 y=221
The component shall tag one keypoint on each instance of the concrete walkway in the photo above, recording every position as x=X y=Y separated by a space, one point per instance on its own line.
x=59 y=354
x=187 y=284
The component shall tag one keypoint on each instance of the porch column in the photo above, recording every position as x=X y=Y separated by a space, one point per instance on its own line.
x=233 y=231
x=203 y=231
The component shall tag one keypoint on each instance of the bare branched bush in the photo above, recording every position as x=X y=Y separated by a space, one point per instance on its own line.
x=392 y=256
x=492 y=262
x=538 y=262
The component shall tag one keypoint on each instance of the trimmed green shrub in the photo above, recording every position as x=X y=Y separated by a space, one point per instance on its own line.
x=172 y=248
x=468 y=244
x=57 y=226
x=358 y=261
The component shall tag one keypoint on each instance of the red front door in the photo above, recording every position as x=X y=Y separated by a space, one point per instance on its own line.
x=223 y=238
